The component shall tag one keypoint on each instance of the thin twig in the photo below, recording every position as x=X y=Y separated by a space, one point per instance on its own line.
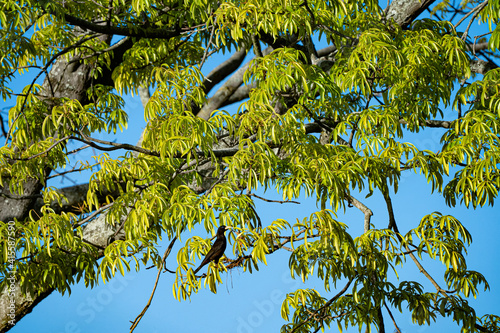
x=259 y=221
x=325 y=305
x=335 y=32
x=165 y=255
x=269 y=200
x=92 y=142
x=71 y=171
x=94 y=214
x=476 y=12
x=390 y=315
x=206 y=53
x=43 y=152
x=470 y=13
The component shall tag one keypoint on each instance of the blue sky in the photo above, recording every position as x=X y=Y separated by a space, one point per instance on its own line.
x=247 y=303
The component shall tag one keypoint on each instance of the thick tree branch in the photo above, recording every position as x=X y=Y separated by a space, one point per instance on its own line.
x=96 y=233
x=380 y=320
x=475 y=47
x=240 y=94
x=403 y=12
x=44 y=69
x=60 y=82
x=74 y=198
x=432 y=123
x=165 y=33
x=482 y=67
x=227 y=89
x=220 y=72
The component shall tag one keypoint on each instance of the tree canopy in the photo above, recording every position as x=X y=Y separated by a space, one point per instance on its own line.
x=309 y=99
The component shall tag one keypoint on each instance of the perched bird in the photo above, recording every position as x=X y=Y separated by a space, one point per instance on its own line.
x=217 y=249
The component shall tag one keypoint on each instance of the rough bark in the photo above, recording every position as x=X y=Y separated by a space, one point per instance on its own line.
x=482 y=67
x=403 y=12
x=14 y=206
x=64 y=80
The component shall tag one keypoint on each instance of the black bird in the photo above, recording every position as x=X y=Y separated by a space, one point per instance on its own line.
x=217 y=249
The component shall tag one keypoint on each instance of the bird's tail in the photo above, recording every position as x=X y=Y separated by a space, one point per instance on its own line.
x=196 y=270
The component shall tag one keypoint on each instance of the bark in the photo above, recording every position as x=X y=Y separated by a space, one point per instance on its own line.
x=13 y=206
x=220 y=72
x=482 y=67
x=227 y=89
x=403 y=12
x=64 y=80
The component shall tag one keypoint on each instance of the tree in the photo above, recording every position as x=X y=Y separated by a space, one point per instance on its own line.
x=325 y=109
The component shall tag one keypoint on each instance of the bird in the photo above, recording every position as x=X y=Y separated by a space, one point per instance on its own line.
x=217 y=249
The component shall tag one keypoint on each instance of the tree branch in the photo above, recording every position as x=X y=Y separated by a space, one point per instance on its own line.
x=164 y=258
x=340 y=293
x=44 y=69
x=393 y=321
x=220 y=72
x=240 y=94
x=403 y=12
x=482 y=67
x=392 y=225
x=165 y=33
x=476 y=10
x=363 y=208
x=380 y=320
x=43 y=152
x=268 y=200
x=227 y=89
x=96 y=53
x=114 y=146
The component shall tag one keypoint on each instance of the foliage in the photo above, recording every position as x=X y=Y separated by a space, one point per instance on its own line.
x=327 y=127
